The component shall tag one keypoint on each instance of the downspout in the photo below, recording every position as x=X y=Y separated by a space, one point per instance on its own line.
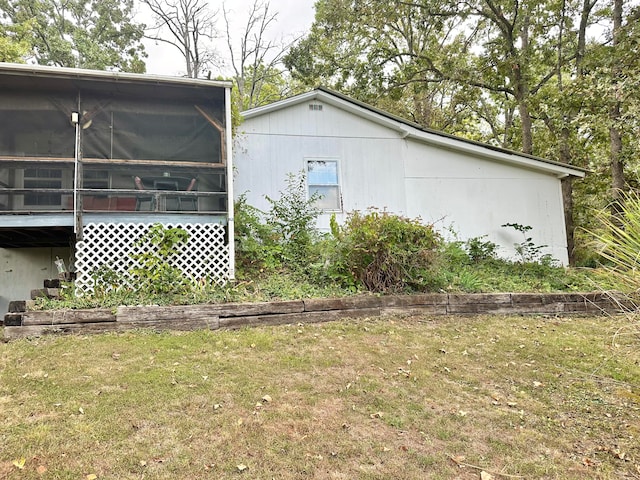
x=230 y=209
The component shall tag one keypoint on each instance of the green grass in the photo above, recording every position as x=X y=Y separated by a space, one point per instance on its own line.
x=417 y=397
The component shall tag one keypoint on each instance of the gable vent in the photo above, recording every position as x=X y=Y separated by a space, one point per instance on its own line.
x=316 y=107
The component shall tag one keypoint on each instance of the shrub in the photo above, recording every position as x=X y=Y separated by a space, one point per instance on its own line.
x=255 y=241
x=293 y=219
x=527 y=250
x=388 y=253
x=480 y=250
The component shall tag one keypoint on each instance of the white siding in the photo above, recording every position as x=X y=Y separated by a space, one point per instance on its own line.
x=24 y=269
x=472 y=196
x=273 y=145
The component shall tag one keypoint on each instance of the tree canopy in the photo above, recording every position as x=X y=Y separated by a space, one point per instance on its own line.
x=94 y=34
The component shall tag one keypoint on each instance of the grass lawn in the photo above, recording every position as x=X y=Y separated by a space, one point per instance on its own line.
x=393 y=398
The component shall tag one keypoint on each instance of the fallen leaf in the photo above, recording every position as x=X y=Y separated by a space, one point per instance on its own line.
x=241 y=467
x=485 y=476
x=91 y=476
x=239 y=422
x=41 y=469
x=619 y=454
x=267 y=398
x=81 y=410
x=217 y=406
x=537 y=384
x=19 y=463
x=377 y=415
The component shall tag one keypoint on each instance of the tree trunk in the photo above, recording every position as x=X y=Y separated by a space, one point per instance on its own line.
x=615 y=136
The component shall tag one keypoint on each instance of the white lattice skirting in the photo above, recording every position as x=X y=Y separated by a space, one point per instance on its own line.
x=111 y=246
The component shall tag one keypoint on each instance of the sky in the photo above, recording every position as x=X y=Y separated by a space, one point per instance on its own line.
x=294 y=19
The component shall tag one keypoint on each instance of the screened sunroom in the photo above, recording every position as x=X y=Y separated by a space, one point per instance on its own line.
x=83 y=148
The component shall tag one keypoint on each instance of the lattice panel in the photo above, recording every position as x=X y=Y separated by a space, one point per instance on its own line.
x=112 y=246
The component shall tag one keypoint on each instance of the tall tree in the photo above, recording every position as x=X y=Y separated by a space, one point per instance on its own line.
x=95 y=34
x=188 y=26
x=390 y=54
x=15 y=42
x=255 y=58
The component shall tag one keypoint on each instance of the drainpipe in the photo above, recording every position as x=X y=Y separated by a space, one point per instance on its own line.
x=230 y=211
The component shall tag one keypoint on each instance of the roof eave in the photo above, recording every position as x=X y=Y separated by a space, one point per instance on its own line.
x=105 y=75
x=407 y=129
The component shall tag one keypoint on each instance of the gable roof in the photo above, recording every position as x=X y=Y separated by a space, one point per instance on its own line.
x=414 y=131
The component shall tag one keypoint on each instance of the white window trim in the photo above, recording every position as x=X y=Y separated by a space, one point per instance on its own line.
x=307 y=160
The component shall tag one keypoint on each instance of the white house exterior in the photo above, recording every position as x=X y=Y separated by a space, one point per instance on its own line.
x=360 y=157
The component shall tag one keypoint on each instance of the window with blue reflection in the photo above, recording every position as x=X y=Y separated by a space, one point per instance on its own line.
x=322 y=178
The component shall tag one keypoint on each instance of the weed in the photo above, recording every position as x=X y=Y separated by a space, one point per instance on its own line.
x=528 y=251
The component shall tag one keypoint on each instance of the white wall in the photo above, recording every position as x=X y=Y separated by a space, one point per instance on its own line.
x=24 y=269
x=273 y=145
x=473 y=196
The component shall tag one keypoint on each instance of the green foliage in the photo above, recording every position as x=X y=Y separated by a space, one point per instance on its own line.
x=257 y=248
x=15 y=41
x=480 y=249
x=154 y=273
x=528 y=250
x=94 y=34
x=293 y=219
x=618 y=240
x=389 y=253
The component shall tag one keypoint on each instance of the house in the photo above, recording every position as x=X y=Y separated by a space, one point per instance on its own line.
x=90 y=159
x=359 y=157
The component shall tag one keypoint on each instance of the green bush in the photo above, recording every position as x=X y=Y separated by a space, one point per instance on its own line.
x=480 y=250
x=293 y=218
x=388 y=253
x=256 y=242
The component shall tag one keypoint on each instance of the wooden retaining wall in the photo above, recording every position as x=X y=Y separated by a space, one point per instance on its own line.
x=236 y=315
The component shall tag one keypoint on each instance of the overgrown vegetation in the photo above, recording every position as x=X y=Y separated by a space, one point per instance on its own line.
x=281 y=255
x=382 y=252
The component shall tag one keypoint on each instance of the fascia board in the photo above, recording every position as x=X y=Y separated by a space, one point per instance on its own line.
x=280 y=105
x=478 y=151
x=76 y=73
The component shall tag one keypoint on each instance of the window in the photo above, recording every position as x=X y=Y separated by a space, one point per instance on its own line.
x=37 y=178
x=322 y=178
